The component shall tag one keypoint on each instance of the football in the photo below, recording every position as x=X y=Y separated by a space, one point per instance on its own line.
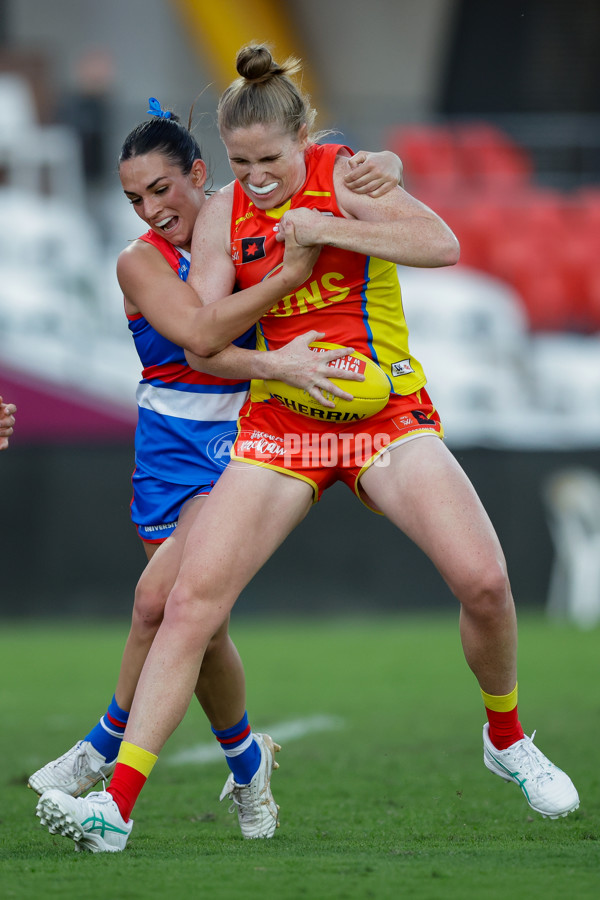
x=370 y=395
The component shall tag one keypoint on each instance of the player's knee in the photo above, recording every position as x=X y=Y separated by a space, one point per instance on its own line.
x=487 y=593
x=183 y=604
x=195 y=613
x=149 y=605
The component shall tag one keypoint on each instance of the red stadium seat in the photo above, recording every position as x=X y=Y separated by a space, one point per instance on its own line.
x=545 y=295
x=592 y=299
x=541 y=241
x=487 y=154
x=425 y=150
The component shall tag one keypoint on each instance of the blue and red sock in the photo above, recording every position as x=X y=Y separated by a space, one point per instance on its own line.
x=241 y=750
x=106 y=736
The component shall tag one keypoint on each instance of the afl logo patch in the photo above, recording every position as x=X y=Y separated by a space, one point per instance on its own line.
x=246 y=250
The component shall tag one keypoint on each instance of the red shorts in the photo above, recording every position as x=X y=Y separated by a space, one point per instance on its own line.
x=320 y=453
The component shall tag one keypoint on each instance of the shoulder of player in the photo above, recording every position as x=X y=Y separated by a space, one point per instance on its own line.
x=346 y=199
x=213 y=222
x=139 y=255
x=341 y=165
x=359 y=206
x=220 y=202
x=139 y=266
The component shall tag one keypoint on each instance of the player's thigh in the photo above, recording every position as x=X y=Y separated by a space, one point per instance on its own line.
x=164 y=562
x=248 y=514
x=424 y=491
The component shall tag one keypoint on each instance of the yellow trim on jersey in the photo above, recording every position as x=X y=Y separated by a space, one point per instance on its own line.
x=384 y=316
x=136 y=758
x=502 y=703
x=316 y=193
x=278 y=211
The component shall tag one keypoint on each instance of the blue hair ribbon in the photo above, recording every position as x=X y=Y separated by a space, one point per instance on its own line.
x=156 y=110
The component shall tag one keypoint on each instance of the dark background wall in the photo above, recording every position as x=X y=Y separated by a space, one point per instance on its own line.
x=536 y=56
x=68 y=546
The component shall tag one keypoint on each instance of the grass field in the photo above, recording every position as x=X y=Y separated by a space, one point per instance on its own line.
x=382 y=788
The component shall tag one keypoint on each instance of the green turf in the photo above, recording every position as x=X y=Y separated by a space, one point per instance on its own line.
x=394 y=803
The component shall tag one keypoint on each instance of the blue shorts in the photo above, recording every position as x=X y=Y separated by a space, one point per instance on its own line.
x=156 y=504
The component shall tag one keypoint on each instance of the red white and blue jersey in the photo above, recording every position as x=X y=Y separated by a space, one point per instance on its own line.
x=186 y=419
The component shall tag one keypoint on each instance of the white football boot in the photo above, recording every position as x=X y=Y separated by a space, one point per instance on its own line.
x=76 y=771
x=548 y=790
x=258 y=814
x=94 y=822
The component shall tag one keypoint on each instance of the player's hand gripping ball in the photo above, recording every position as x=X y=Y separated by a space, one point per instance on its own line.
x=369 y=396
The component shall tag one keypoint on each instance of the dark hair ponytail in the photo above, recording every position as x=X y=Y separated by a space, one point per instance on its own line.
x=166 y=136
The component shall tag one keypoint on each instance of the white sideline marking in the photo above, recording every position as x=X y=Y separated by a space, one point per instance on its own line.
x=203 y=754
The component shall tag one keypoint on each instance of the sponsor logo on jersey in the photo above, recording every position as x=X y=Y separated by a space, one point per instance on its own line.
x=402 y=367
x=268 y=448
x=422 y=417
x=163 y=527
x=246 y=250
x=184 y=268
x=248 y=215
x=325 y=415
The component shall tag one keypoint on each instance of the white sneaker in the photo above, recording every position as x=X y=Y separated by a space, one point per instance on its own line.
x=76 y=771
x=257 y=811
x=93 y=822
x=547 y=789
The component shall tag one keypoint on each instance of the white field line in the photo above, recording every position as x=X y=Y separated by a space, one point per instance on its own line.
x=281 y=732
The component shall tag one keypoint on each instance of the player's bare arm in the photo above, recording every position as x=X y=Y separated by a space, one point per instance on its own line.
x=147 y=280
x=212 y=276
x=396 y=227
x=295 y=364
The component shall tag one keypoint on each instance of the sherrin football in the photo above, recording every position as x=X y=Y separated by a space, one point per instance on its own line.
x=370 y=395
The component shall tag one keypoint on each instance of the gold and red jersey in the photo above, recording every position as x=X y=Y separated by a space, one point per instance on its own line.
x=353 y=298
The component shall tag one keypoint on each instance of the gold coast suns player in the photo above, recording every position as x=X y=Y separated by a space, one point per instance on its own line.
x=355 y=299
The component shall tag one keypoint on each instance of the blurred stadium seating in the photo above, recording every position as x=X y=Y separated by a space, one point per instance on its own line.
x=45 y=158
x=60 y=349
x=543 y=242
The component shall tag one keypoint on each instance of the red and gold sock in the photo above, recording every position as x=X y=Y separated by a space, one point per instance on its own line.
x=503 y=718
x=134 y=764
